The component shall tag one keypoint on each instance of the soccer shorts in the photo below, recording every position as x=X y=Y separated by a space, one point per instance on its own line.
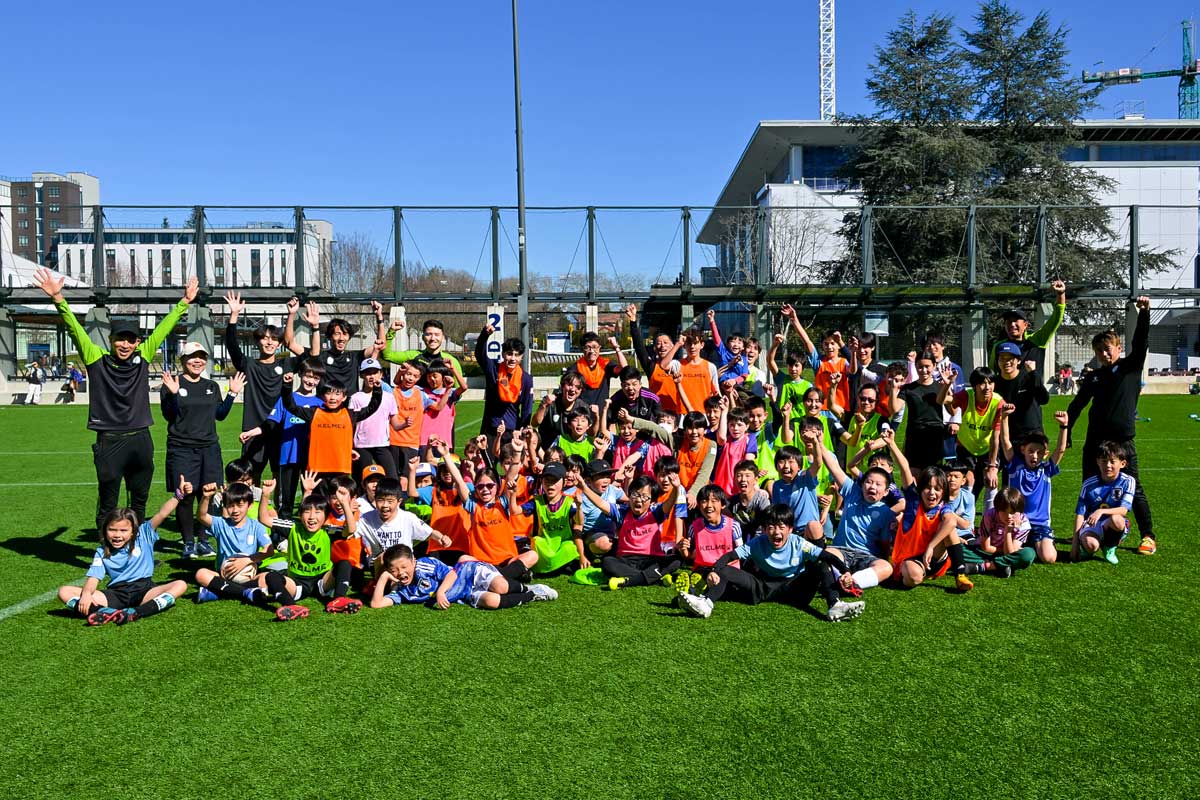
x=310 y=586
x=1038 y=533
x=127 y=594
x=471 y=582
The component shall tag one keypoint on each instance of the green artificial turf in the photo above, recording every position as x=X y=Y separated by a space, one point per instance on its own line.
x=1071 y=680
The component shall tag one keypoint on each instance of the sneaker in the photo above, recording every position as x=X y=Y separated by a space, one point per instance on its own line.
x=189 y=550
x=669 y=580
x=205 y=595
x=289 y=613
x=106 y=615
x=542 y=592
x=674 y=579
x=697 y=605
x=1003 y=571
x=1148 y=547
x=616 y=583
x=342 y=605
x=962 y=583
x=1110 y=554
x=842 y=610
x=204 y=549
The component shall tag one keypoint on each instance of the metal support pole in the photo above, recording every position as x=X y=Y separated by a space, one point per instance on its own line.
x=971 y=265
x=866 y=235
x=762 y=263
x=1135 y=253
x=522 y=259
x=685 y=280
x=200 y=236
x=495 y=255
x=300 y=246
x=591 y=254
x=99 y=265
x=1041 y=246
x=398 y=255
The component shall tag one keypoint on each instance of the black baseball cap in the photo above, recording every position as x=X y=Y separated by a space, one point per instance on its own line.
x=599 y=467
x=125 y=327
x=1014 y=314
x=553 y=472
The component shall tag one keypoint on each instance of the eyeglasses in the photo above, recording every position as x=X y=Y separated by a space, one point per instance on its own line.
x=863 y=399
x=480 y=486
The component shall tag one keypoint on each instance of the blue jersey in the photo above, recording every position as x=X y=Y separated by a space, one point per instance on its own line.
x=964 y=507
x=864 y=526
x=1034 y=484
x=295 y=430
x=427 y=577
x=130 y=563
x=912 y=507
x=595 y=520
x=244 y=540
x=735 y=366
x=801 y=496
x=1096 y=495
x=782 y=563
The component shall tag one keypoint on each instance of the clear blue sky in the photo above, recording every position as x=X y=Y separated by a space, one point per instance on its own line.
x=411 y=103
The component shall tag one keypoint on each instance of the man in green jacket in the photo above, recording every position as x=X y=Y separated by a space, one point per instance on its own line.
x=1016 y=329
x=118 y=382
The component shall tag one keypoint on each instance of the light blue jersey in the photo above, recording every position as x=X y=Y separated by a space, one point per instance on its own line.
x=595 y=520
x=782 y=563
x=801 y=496
x=964 y=507
x=864 y=526
x=130 y=563
x=242 y=541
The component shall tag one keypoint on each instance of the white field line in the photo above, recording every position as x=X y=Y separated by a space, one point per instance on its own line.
x=25 y=605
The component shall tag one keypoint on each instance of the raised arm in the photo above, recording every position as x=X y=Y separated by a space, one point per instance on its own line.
x=370 y=408
x=168 y=506
x=639 y=343
x=789 y=313
x=772 y=364
x=51 y=283
x=1044 y=334
x=232 y=346
x=289 y=402
x=1139 y=347
x=1064 y=429
x=889 y=438
x=712 y=327
x=443 y=450
x=151 y=343
x=831 y=464
x=289 y=327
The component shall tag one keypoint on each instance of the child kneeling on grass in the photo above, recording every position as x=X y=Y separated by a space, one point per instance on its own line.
x=127 y=559
x=408 y=579
x=1101 y=515
x=787 y=569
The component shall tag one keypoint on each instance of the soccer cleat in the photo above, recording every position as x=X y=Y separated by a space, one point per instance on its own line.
x=962 y=583
x=205 y=595
x=842 y=610
x=696 y=583
x=204 y=549
x=289 y=613
x=341 y=605
x=696 y=605
x=542 y=592
x=853 y=591
x=189 y=550
x=106 y=615
x=669 y=580
x=1148 y=547
x=1110 y=554
x=616 y=583
x=131 y=615
x=1002 y=571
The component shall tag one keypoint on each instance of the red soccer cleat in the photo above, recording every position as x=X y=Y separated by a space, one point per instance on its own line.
x=289 y=613
x=342 y=605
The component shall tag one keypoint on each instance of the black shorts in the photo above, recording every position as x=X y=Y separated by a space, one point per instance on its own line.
x=198 y=465
x=127 y=594
x=310 y=586
x=402 y=455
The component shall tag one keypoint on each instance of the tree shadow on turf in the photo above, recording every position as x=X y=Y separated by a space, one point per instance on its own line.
x=49 y=547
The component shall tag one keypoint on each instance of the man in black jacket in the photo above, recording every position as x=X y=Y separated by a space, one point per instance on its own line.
x=1113 y=389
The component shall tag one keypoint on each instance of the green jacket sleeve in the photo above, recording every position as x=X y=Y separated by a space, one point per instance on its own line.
x=88 y=350
x=397 y=356
x=163 y=329
x=1045 y=333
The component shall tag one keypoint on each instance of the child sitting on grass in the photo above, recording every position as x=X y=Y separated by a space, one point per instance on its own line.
x=711 y=535
x=126 y=557
x=408 y=579
x=787 y=569
x=240 y=540
x=639 y=560
x=1101 y=515
x=798 y=490
x=1003 y=537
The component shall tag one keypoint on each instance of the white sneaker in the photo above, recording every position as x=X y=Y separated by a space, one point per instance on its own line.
x=842 y=610
x=697 y=605
x=542 y=592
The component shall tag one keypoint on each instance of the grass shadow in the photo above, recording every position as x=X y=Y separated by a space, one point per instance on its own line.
x=50 y=547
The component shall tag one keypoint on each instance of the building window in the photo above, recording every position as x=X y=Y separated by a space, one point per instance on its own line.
x=55 y=191
x=283 y=281
x=255 y=267
x=150 y=267
x=55 y=208
x=219 y=267
x=110 y=266
x=270 y=268
x=23 y=224
x=183 y=266
x=23 y=241
x=166 y=267
x=22 y=209
x=55 y=224
x=133 y=265
x=233 y=266
x=68 y=262
x=22 y=192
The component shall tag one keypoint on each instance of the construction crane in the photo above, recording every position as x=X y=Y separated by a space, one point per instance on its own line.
x=826 y=59
x=1189 y=92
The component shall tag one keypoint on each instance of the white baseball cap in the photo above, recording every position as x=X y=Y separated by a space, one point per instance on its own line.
x=192 y=348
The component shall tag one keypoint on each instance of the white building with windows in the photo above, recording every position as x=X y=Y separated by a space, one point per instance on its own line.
x=257 y=254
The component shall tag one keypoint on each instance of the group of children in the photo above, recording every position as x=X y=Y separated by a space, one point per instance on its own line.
x=701 y=472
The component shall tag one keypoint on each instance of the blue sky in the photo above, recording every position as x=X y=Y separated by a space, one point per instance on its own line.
x=643 y=103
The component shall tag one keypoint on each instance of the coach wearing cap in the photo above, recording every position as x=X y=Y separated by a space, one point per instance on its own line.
x=1016 y=328
x=118 y=397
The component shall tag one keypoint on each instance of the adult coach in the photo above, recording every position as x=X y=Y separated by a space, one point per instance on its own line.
x=1016 y=329
x=118 y=397
x=433 y=334
x=341 y=363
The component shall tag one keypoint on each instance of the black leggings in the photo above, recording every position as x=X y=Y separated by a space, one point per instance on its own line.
x=639 y=570
x=123 y=456
x=749 y=588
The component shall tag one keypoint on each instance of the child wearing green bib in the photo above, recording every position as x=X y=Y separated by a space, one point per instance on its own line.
x=557 y=522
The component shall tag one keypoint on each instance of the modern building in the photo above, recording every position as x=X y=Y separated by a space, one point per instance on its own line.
x=39 y=206
x=257 y=254
x=790 y=168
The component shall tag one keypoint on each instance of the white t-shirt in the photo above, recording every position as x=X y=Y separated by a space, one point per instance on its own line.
x=404 y=528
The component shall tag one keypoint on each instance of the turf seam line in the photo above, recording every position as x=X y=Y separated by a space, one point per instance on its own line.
x=25 y=605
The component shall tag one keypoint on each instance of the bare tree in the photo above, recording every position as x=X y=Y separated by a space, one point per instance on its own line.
x=796 y=240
